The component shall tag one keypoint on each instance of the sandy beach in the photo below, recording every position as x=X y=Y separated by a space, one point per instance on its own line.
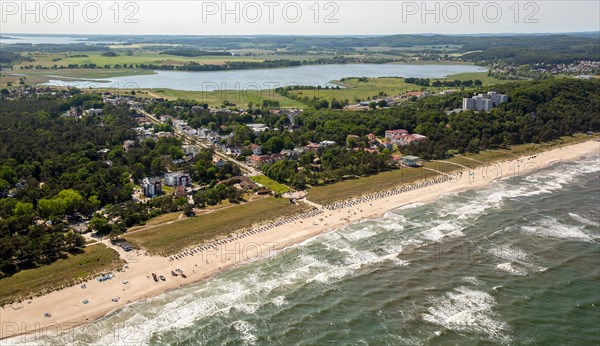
x=67 y=309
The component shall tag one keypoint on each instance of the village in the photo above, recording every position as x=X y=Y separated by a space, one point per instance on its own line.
x=248 y=159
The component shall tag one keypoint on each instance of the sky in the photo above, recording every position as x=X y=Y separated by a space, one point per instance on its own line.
x=353 y=17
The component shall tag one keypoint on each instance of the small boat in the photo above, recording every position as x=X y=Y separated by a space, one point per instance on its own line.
x=183 y=275
x=162 y=278
x=154 y=277
x=173 y=273
x=47 y=315
x=85 y=301
x=179 y=270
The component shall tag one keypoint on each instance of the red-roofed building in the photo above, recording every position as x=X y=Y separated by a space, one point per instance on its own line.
x=402 y=137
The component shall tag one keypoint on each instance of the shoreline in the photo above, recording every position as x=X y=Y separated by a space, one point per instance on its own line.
x=25 y=321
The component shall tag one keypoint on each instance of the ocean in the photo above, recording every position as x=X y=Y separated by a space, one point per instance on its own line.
x=515 y=263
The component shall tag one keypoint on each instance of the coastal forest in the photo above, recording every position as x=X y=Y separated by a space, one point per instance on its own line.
x=56 y=170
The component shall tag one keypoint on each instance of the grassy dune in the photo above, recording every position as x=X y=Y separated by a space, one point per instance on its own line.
x=64 y=272
x=374 y=183
x=170 y=238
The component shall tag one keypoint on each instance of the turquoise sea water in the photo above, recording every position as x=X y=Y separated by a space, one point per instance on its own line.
x=515 y=263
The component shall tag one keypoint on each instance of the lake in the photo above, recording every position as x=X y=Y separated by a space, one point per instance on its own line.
x=17 y=39
x=41 y=39
x=258 y=79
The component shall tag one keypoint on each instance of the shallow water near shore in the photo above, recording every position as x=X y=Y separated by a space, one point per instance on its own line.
x=517 y=262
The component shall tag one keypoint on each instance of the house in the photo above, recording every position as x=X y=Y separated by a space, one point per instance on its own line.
x=180 y=191
x=257 y=161
x=387 y=144
x=277 y=157
x=314 y=147
x=256 y=149
x=143 y=133
x=79 y=227
x=218 y=162
x=21 y=185
x=128 y=144
x=287 y=152
x=72 y=113
x=417 y=94
x=402 y=137
x=327 y=143
x=240 y=182
x=298 y=151
x=197 y=109
x=410 y=161
x=164 y=134
x=258 y=128
x=94 y=111
x=126 y=246
x=152 y=187
x=102 y=153
x=165 y=117
x=202 y=132
x=394 y=134
x=190 y=150
x=177 y=179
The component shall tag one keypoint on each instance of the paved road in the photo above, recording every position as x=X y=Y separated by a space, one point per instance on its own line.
x=188 y=139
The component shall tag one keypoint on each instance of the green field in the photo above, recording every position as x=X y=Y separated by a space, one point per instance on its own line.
x=463 y=160
x=137 y=57
x=353 y=89
x=62 y=273
x=482 y=76
x=270 y=184
x=171 y=238
x=379 y=182
x=158 y=220
x=443 y=167
x=240 y=98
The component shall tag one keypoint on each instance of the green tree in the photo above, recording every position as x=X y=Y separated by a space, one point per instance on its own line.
x=23 y=209
x=99 y=224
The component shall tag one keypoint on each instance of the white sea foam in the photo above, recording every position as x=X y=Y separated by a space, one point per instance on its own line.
x=510 y=253
x=584 y=220
x=472 y=280
x=467 y=310
x=512 y=268
x=520 y=262
x=443 y=229
x=409 y=206
x=551 y=227
x=279 y=301
x=245 y=331
x=366 y=232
